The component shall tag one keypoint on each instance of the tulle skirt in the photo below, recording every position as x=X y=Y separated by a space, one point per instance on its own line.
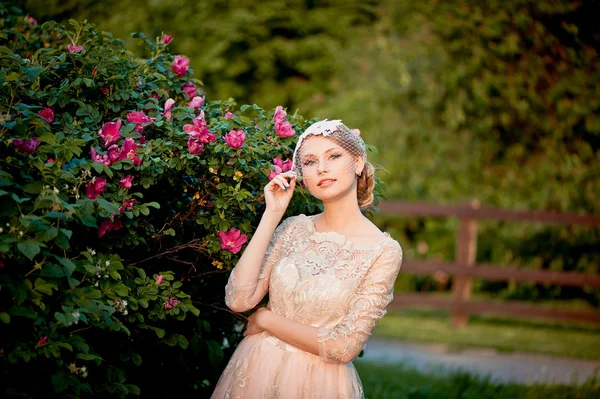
x=263 y=367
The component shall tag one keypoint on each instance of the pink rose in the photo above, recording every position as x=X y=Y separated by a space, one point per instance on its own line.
x=74 y=49
x=180 y=65
x=126 y=182
x=110 y=132
x=127 y=205
x=32 y=21
x=104 y=90
x=43 y=340
x=171 y=303
x=96 y=187
x=189 y=88
x=159 y=279
x=47 y=114
x=279 y=167
x=229 y=115
x=196 y=102
x=235 y=138
x=128 y=151
x=114 y=153
x=28 y=146
x=169 y=104
x=166 y=39
x=100 y=158
x=199 y=130
x=279 y=115
x=284 y=129
x=108 y=225
x=140 y=119
x=232 y=240
x=195 y=147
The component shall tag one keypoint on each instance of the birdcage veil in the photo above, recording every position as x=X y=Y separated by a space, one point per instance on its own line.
x=305 y=164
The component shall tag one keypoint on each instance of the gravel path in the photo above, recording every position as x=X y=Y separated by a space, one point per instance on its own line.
x=522 y=368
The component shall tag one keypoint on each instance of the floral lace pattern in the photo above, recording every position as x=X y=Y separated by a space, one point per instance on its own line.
x=324 y=280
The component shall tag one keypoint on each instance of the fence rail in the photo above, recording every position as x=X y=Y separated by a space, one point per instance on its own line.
x=464 y=269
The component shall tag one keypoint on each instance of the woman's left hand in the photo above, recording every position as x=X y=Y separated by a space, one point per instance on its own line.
x=256 y=322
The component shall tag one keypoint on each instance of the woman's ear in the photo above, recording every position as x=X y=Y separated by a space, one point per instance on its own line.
x=360 y=166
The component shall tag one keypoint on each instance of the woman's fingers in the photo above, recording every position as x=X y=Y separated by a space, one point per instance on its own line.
x=282 y=180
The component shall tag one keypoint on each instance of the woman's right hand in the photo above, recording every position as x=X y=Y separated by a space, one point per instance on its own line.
x=279 y=191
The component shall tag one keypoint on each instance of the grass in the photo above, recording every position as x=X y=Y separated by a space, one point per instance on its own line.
x=502 y=334
x=400 y=382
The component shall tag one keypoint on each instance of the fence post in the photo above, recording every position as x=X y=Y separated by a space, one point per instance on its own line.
x=466 y=250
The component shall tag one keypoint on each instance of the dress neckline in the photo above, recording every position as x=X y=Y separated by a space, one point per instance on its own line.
x=342 y=239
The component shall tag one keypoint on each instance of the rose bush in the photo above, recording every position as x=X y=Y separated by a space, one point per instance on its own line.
x=126 y=198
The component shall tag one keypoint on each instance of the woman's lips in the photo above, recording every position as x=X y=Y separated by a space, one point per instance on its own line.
x=326 y=182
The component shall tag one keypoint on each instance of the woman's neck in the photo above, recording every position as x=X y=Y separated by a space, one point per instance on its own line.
x=340 y=215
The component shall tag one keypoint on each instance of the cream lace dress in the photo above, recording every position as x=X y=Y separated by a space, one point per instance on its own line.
x=321 y=279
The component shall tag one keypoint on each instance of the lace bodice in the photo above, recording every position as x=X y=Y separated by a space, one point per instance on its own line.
x=324 y=280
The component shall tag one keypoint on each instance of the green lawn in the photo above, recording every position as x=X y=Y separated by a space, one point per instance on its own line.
x=503 y=334
x=398 y=382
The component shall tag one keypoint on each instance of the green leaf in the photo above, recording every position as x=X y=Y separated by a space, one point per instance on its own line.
x=32 y=73
x=5 y=50
x=183 y=341
x=137 y=359
x=29 y=248
x=108 y=206
x=5 y=317
x=133 y=389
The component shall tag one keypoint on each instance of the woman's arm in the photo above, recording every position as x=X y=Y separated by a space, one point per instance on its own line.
x=243 y=290
x=343 y=342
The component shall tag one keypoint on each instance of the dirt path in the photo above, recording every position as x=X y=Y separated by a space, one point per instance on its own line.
x=501 y=367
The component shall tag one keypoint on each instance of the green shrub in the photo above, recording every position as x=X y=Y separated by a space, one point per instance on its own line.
x=114 y=262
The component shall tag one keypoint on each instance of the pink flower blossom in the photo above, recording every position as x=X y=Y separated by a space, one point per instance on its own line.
x=100 y=158
x=114 y=153
x=171 y=303
x=74 y=49
x=110 y=132
x=356 y=131
x=284 y=129
x=104 y=90
x=47 y=114
x=232 y=240
x=169 y=104
x=189 y=88
x=195 y=146
x=96 y=187
x=28 y=146
x=127 y=205
x=180 y=65
x=197 y=102
x=235 y=138
x=126 y=182
x=128 y=151
x=279 y=115
x=140 y=119
x=31 y=20
x=166 y=39
x=199 y=130
x=43 y=340
x=229 y=115
x=279 y=167
x=159 y=279
x=108 y=225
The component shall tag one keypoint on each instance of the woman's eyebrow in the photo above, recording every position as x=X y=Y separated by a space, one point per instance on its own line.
x=327 y=151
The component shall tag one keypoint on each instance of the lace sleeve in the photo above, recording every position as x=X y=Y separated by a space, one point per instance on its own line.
x=344 y=342
x=242 y=297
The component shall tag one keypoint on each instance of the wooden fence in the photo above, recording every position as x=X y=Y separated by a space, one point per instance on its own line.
x=464 y=268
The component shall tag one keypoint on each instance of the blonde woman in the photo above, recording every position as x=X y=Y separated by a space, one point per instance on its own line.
x=329 y=277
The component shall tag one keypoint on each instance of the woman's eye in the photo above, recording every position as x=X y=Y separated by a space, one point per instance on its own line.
x=334 y=156
x=308 y=163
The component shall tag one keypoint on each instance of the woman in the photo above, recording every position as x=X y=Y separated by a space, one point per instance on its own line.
x=329 y=278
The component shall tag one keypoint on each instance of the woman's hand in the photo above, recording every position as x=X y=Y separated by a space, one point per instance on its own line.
x=256 y=322
x=279 y=191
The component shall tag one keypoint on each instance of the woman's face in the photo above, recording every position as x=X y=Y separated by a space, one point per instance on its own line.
x=328 y=170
